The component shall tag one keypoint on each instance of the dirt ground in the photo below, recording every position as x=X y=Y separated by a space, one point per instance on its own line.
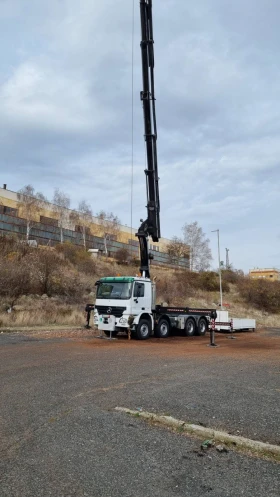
x=261 y=345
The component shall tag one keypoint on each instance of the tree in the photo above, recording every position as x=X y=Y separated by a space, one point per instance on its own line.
x=110 y=227
x=83 y=217
x=61 y=203
x=122 y=256
x=200 y=252
x=177 y=249
x=29 y=203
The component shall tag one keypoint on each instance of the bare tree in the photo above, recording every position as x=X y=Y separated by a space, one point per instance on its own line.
x=83 y=217
x=177 y=249
x=110 y=227
x=29 y=203
x=200 y=252
x=61 y=203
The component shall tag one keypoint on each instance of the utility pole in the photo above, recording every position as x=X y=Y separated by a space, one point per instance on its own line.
x=227 y=258
x=220 y=272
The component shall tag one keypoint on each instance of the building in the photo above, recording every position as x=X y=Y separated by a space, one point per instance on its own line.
x=46 y=231
x=271 y=274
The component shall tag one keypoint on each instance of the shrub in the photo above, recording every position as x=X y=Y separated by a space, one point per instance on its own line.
x=122 y=256
x=230 y=276
x=15 y=279
x=78 y=256
x=264 y=295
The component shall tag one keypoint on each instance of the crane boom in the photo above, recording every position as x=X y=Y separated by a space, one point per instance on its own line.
x=151 y=226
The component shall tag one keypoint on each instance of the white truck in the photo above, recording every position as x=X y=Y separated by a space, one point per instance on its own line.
x=129 y=304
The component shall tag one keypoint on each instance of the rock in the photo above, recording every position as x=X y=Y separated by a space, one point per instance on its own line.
x=44 y=296
x=221 y=448
x=18 y=308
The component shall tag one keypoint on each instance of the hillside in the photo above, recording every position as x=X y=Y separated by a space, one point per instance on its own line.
x=51 y=287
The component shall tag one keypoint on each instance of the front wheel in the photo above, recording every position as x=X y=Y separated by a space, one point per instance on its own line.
x=162 y=329
x=144 y=329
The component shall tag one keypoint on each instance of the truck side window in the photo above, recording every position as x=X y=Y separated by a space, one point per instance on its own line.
x=139 y=290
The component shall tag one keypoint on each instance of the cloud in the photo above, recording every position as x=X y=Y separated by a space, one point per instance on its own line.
x=66 y=115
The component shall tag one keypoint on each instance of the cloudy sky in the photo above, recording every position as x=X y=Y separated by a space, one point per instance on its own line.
x=66 y=104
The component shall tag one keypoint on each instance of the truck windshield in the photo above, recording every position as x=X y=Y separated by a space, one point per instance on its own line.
x=114 y=290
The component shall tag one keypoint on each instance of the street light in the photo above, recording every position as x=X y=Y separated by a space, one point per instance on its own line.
x=220 y=273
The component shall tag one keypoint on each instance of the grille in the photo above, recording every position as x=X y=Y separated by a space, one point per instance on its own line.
x=116 y=311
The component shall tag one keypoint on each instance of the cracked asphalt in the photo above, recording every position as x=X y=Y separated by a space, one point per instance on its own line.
x=60 y=434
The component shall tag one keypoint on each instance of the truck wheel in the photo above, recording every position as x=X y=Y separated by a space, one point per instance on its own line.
x=107 y=333
x=162 y=329
x=143 y=329
x=190 y=327
x=202 y=327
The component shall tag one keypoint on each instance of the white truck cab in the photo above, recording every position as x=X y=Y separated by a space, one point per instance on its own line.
x=124 y=302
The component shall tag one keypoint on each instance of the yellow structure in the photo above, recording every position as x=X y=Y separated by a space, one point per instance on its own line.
x=270 y=274
x=9 y=205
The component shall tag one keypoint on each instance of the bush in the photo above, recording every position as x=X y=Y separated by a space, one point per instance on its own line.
x=230 y=276
x=78 y=256
x=122 y=256
x=264 y=295
x=15 y=279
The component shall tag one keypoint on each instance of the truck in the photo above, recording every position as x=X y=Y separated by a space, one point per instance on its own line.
x=129 y=303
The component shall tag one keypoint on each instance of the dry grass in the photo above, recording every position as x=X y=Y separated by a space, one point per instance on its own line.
x=77 y=288
x=43 y=314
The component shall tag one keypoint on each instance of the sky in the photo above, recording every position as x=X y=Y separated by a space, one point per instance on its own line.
x=66 y=101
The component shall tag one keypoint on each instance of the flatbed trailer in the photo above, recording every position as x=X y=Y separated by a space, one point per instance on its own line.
x=225 y=323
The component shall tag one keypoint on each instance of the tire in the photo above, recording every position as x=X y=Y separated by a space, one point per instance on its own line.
x=202 y=327
x=162 y=329
x=144 y=329
x=190 y=327
x=107 y=333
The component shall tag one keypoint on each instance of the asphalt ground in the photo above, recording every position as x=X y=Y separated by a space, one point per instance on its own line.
x=60 y=434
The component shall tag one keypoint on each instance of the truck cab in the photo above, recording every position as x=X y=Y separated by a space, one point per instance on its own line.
x=124 y=303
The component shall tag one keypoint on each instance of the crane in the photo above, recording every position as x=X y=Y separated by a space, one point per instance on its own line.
x=151 y=226
x=126 y=303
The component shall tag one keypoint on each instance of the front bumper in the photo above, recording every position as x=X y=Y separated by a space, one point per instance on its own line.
x=110 y=323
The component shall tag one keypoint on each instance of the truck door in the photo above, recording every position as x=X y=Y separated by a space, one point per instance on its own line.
x=140 y=299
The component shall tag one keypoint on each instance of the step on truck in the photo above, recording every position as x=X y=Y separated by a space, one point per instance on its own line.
x=126 y=304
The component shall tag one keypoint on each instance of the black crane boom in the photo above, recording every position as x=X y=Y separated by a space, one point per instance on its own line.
x=151 y=226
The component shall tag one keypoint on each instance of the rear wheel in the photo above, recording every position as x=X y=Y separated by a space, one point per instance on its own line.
x=202 y=327
x=190 y=327
x=144 y=329
x=162 y=329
